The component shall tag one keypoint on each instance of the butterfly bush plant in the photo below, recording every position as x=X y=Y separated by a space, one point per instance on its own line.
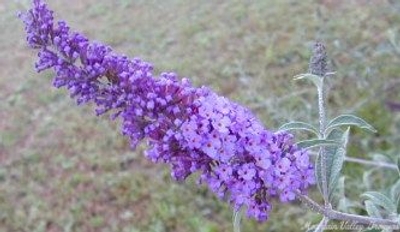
x=195 y=130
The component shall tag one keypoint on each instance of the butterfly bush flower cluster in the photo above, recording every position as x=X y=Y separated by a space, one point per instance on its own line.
x=191 y=129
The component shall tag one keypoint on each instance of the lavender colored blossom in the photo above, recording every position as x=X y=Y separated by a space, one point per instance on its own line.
x=191 y=129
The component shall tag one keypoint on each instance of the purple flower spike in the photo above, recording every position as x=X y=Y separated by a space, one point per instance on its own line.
x=191 y=129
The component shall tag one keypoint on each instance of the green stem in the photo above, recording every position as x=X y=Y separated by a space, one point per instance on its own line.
x=237 y=220
x=336 y=215
x=322 y=225
x=322 y=135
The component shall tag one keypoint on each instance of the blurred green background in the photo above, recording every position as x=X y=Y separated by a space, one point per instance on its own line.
x=63 y=169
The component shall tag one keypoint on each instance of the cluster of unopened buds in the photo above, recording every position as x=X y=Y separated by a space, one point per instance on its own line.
x=192 y=129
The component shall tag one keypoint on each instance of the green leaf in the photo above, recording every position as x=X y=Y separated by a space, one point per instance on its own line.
x=349 y=120
x=381 y=200
x=318 y=173
x=316 y=143
x=398 y=205
x=367 y=178
x=398 y=165
x=381 y=158
x=335 y=156
x=299 y=126
x=317 y=80
x=395 y=194
x=395 y=190
x=372 y=210
x=342 y=202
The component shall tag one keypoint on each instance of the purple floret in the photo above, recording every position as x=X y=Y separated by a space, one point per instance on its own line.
x=191 y=129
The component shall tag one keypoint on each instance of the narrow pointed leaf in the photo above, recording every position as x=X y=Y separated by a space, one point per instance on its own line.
x=381 y=158
x=367 y=178
x=398 y=165
x=337 y=160
x=372 y=210
x=343 y=204
x=398 y=205
x=395 y=190
x=299 y=126
x=317 y=80
x=381 y=200
x=349 y=120
x=318 y=173
x=335 y=135
x=316 y=143
x=335 y=156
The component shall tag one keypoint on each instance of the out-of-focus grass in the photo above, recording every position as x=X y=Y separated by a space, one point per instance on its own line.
x=61 y=169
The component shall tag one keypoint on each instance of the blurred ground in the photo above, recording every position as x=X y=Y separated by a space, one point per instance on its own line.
x=62 y=169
